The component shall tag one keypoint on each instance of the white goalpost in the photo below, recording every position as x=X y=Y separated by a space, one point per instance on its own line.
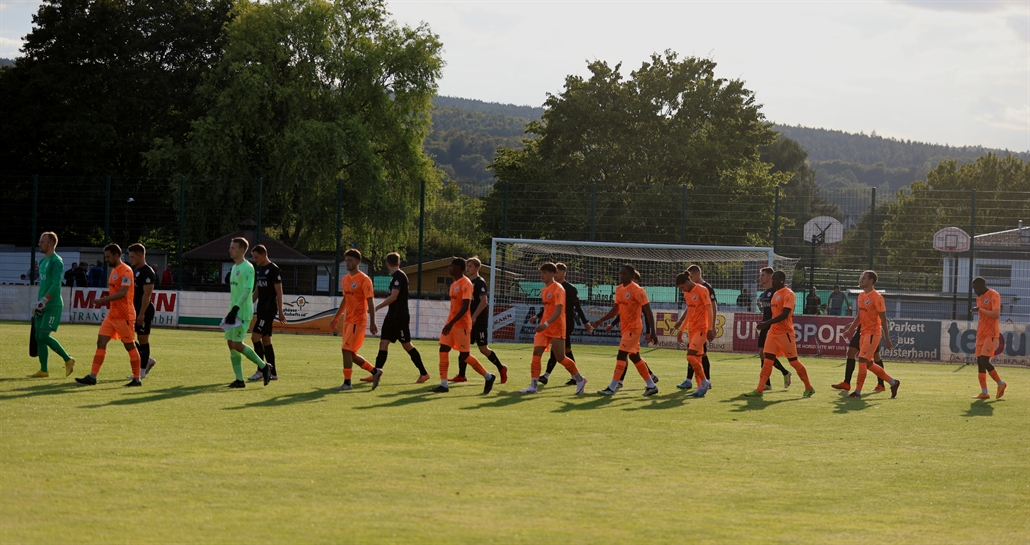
x=593 y=269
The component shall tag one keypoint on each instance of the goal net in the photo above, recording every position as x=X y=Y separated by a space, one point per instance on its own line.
x=593 y=268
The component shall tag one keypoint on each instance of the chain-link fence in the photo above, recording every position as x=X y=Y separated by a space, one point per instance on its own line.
x=182 y=222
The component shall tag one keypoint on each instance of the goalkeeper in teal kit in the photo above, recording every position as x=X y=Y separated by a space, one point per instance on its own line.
x=237 y=322
x=46 y=314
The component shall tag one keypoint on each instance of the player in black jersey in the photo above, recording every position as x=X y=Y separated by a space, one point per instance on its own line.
x=480 y=320
x=695 y=276
x=765 y=303
x=573 y=309
x=145 y=279
x=396 y=325
x=268 y=297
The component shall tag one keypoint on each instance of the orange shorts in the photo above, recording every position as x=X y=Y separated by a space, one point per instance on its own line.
x=543 y=339
x=781 y=344
x=457 y=339
x=986 y=346
x=353 y=337
x=118 y=328
x=697 y=341
x=630 y=342
x=868 y=345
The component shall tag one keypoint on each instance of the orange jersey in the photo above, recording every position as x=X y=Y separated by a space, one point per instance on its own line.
x=698 y=305
x=783 y=299
x=870 y=304
x=988 y=327
x=461 y=290
x=122 y=276
x=631 y=299
x=357 y=288
x=552 y=296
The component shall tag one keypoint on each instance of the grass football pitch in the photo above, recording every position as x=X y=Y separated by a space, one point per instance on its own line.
x=185 y=460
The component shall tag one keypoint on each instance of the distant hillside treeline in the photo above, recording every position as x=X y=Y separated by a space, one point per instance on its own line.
x=6 y=62
x=530 y=113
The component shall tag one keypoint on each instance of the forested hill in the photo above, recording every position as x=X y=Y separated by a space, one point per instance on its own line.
x=6 y=62
x=525 y=112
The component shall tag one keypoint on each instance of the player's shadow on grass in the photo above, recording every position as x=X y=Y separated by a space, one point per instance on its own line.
x=755 y=403
x=406 y=397
x=137 y=397
x=501 y=399
x=40 y=390
x=600 y=401
x=845 y=404
x=659 y=403
x=979 y=408
x=287 y=399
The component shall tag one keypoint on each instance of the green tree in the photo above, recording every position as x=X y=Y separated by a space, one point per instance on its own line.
x=100 y=79
x=634 y=144
x=310 y=92
x=945 y=200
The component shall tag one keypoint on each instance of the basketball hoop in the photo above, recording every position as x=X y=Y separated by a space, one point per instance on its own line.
x=951 y=240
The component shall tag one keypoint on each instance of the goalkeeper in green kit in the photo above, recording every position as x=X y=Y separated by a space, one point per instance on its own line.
x=46 y=314
x=237 y=322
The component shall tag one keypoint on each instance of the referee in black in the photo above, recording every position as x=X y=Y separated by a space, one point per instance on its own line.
x=268 y=293
x=145 y=279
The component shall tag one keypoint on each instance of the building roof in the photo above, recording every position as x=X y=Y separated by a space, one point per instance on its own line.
x=218 y=249
x=1018 y=238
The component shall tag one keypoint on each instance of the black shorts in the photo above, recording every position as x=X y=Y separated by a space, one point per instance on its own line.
x=148 y=319
x=479 y=334
x=855 y=339
x=395 y=330
x=762 y=334
x=263 y=323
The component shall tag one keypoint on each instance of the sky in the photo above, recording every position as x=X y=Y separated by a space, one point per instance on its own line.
x=944 y=72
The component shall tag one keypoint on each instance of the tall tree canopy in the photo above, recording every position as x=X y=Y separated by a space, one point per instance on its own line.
x=100 y=79
x=629 y=147
x=309 y=92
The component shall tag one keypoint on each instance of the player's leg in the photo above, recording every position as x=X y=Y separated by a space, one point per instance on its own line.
x=645 y=373
x=479 y=336
x=866 y=352
x=878 y=361
x=849 y=364
x=706 y=364
x=558 y=347
x=540 y=342
x=568 y=352
x=103 y=337
x=134 y=358
x=262 y=327
x=416 y=358
x=45 y=326
x=985 y=349
x=269 y=357
x=445 y=362
x=618 y=375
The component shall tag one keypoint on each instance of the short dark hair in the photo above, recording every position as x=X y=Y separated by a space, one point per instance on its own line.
x=260 y=249
x=836 y=286
x=459 y=262
x=113 y=249
x=561 y=266
x=353 y=252
x=393 y=259
x=781 y=275
x=766 y=270
x=241 y=242
x=980 y=281
x=682 y=278
x=871 y=274
x=694 y=269
x=549 y=267
x=137 y=248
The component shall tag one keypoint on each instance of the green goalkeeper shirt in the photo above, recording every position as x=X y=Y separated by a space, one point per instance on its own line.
x=51 y=269
x=241 y=282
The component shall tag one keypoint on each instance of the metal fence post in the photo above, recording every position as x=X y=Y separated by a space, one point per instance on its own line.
x=261 y=188
x=972 y=252
x=35 y=204
x=107 y=217
x=776 y=219
x=593 y=209
x=504 y=211
x=334 y=279
x=421 y=239
x=872 y=228
x=182 y=226
x=683 y=214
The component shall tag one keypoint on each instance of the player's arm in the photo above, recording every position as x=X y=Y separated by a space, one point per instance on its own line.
x=611 y=314
x=854 y=324
x=372 y=316
x=339 y=313
x=886 y=330
x=120 y=294
x=148 y=290
x=711 y=320
x=995 y=313
x=279 y=302
x=394 y=294
x=554 y=316
x=481 y=308
x=577 y=309
x=649 y=322
x=539 y=316
x=461 y=312
x=784 y=314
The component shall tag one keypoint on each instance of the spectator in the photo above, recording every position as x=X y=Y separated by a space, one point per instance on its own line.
x=744 y=300
x=96 y=275
x=82 y=275
x=24 y=279
x=33 y=273
x=69 y=275
x=838 y=301
x=166 y=277
x=812 y=302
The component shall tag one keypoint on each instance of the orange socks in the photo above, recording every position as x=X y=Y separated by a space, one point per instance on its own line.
x=803 y=374
x=995 y=375
x=445 y=362
x=767 y=367
x=474 y=363
x=699 y=369
x=98 y=360
x=134 y=362
x=620 y=367
x=983 y=379
x=645 y=373
x=368 y=366
x=347 y=373
x=570 y=365
x=534 y=367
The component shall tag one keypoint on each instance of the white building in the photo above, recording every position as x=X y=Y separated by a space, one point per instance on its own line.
x=1003 y=259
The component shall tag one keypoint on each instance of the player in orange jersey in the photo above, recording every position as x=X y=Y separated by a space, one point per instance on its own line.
x=872 y=317
x=699 y=318
x=780 y=339
x=457 y=332
x=360 y=313
x=630 y=301
x=120 y=322
x=988 y=308
x=551 y=332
